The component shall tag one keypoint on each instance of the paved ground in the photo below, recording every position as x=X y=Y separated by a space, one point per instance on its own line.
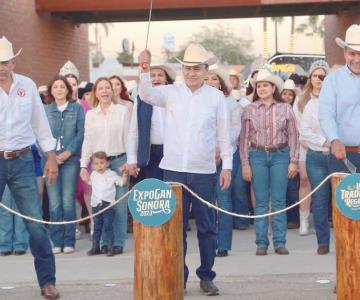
x=241 y=275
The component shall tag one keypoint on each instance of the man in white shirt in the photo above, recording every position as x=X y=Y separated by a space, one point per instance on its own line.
x=196 y=121
x=22 y=122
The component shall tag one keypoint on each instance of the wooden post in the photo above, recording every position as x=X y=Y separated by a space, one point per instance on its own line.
x=347 y=243
x=159 y=260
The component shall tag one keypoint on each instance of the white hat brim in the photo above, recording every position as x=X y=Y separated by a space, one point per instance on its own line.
x=208 y=62
x=343 y=44
x=169 y=70
x=7 y=58
x=277 y=81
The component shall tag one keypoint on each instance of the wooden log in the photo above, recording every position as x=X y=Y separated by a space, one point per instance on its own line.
x=347 y=243
x=159 y=260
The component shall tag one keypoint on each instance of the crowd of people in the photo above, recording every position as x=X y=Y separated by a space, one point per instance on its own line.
x=250 y=146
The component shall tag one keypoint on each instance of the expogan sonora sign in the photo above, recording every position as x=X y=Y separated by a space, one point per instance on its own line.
x=152 y=202
x=348 y=196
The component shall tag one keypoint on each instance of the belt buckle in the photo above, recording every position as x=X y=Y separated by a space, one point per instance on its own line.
x=266 y=148
x=6 y=156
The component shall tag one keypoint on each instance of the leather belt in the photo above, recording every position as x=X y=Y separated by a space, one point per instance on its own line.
x=115 y=156
x=270 y=148
x=14 y=153
x=355 y=149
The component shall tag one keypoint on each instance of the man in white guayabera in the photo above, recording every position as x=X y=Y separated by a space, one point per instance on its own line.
x=195 y=123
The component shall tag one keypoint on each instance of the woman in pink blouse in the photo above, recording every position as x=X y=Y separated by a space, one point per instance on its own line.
x=269 y=150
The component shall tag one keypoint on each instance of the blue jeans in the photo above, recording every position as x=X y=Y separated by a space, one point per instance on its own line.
x=240 y=194
x=270 y=179
x=337 y=165
x=13 y=233
x=205 y=218
x=152 y=170
x=317 y=168
x=225 y=201
x=292 y=196
x=19 y=175
x=103 y=222
x=62 y=203
x=120 y=210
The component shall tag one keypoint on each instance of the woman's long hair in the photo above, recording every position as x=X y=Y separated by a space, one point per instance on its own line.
x=124 y=92
x=95 y=101
x=50 y=98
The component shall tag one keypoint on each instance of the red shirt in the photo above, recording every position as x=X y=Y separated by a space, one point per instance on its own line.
x=271 y=125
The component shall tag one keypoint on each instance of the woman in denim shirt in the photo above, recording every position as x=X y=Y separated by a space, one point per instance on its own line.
x=66 y=119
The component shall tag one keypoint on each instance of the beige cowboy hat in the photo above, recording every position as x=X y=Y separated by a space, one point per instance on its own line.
x=220 y=72
x=267 y=76
x=290 y=85
x=352 y=38
x=195 y=54
x=6 y=50
x=166 y=68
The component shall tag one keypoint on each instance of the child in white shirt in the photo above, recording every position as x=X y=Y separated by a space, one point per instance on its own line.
x=103 y=182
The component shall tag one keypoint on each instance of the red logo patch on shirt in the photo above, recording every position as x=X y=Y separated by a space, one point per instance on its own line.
x=21 y=92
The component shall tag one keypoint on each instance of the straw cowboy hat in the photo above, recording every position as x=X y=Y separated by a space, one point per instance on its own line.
x=166 y=68
x=267 y=76
x=195 y=54
x=220 y=73
x=352 y=38
x=6 y=50
x=290 y=85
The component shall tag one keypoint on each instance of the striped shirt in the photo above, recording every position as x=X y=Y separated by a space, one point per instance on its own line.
x=268 y=126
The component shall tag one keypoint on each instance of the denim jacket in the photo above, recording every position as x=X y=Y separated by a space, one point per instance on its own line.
x=67 y=126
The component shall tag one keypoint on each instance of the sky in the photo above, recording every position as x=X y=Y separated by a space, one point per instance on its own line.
x=182 y=30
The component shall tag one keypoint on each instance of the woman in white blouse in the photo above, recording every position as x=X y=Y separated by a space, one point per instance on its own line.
x=312 y=89
x=106 y=129
x=317 y=163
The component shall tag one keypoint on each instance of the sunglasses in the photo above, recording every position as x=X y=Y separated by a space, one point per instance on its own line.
x=321 y=77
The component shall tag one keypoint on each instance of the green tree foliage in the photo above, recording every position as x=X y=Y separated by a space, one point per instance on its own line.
x=314 y=25
x=223 y=42
x=125 y=57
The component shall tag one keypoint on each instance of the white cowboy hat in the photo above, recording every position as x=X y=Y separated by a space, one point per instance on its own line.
x=166 y=68
x=290 y=85
x=220 y=73
x=233 y=72
x=6 y=50
x=267 y=76
x=195 y=54
x=352 y=38
x=42 y=89
x=69 y=68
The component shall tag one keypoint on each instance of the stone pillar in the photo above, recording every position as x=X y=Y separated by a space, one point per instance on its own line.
x=335 y=26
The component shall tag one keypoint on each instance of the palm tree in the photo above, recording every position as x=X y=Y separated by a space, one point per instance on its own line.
x=292 y=35
x=97 y=55
x=316 y=28
x=277 y=20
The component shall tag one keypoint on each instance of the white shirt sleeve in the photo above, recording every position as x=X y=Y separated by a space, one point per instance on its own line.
x=133 y=137
x=307 y=128
x=153 y=95
x=223 y=134
x=235 y=124
x=86 y=147
x=40 y=123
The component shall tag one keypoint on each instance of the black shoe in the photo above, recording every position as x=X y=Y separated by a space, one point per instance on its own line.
x=19 y=252
x=104 y=250
x=95 y=249
x=110 y=251
x=5 y=253
x=117 y=250
x=209 y=288
x=222 y=253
